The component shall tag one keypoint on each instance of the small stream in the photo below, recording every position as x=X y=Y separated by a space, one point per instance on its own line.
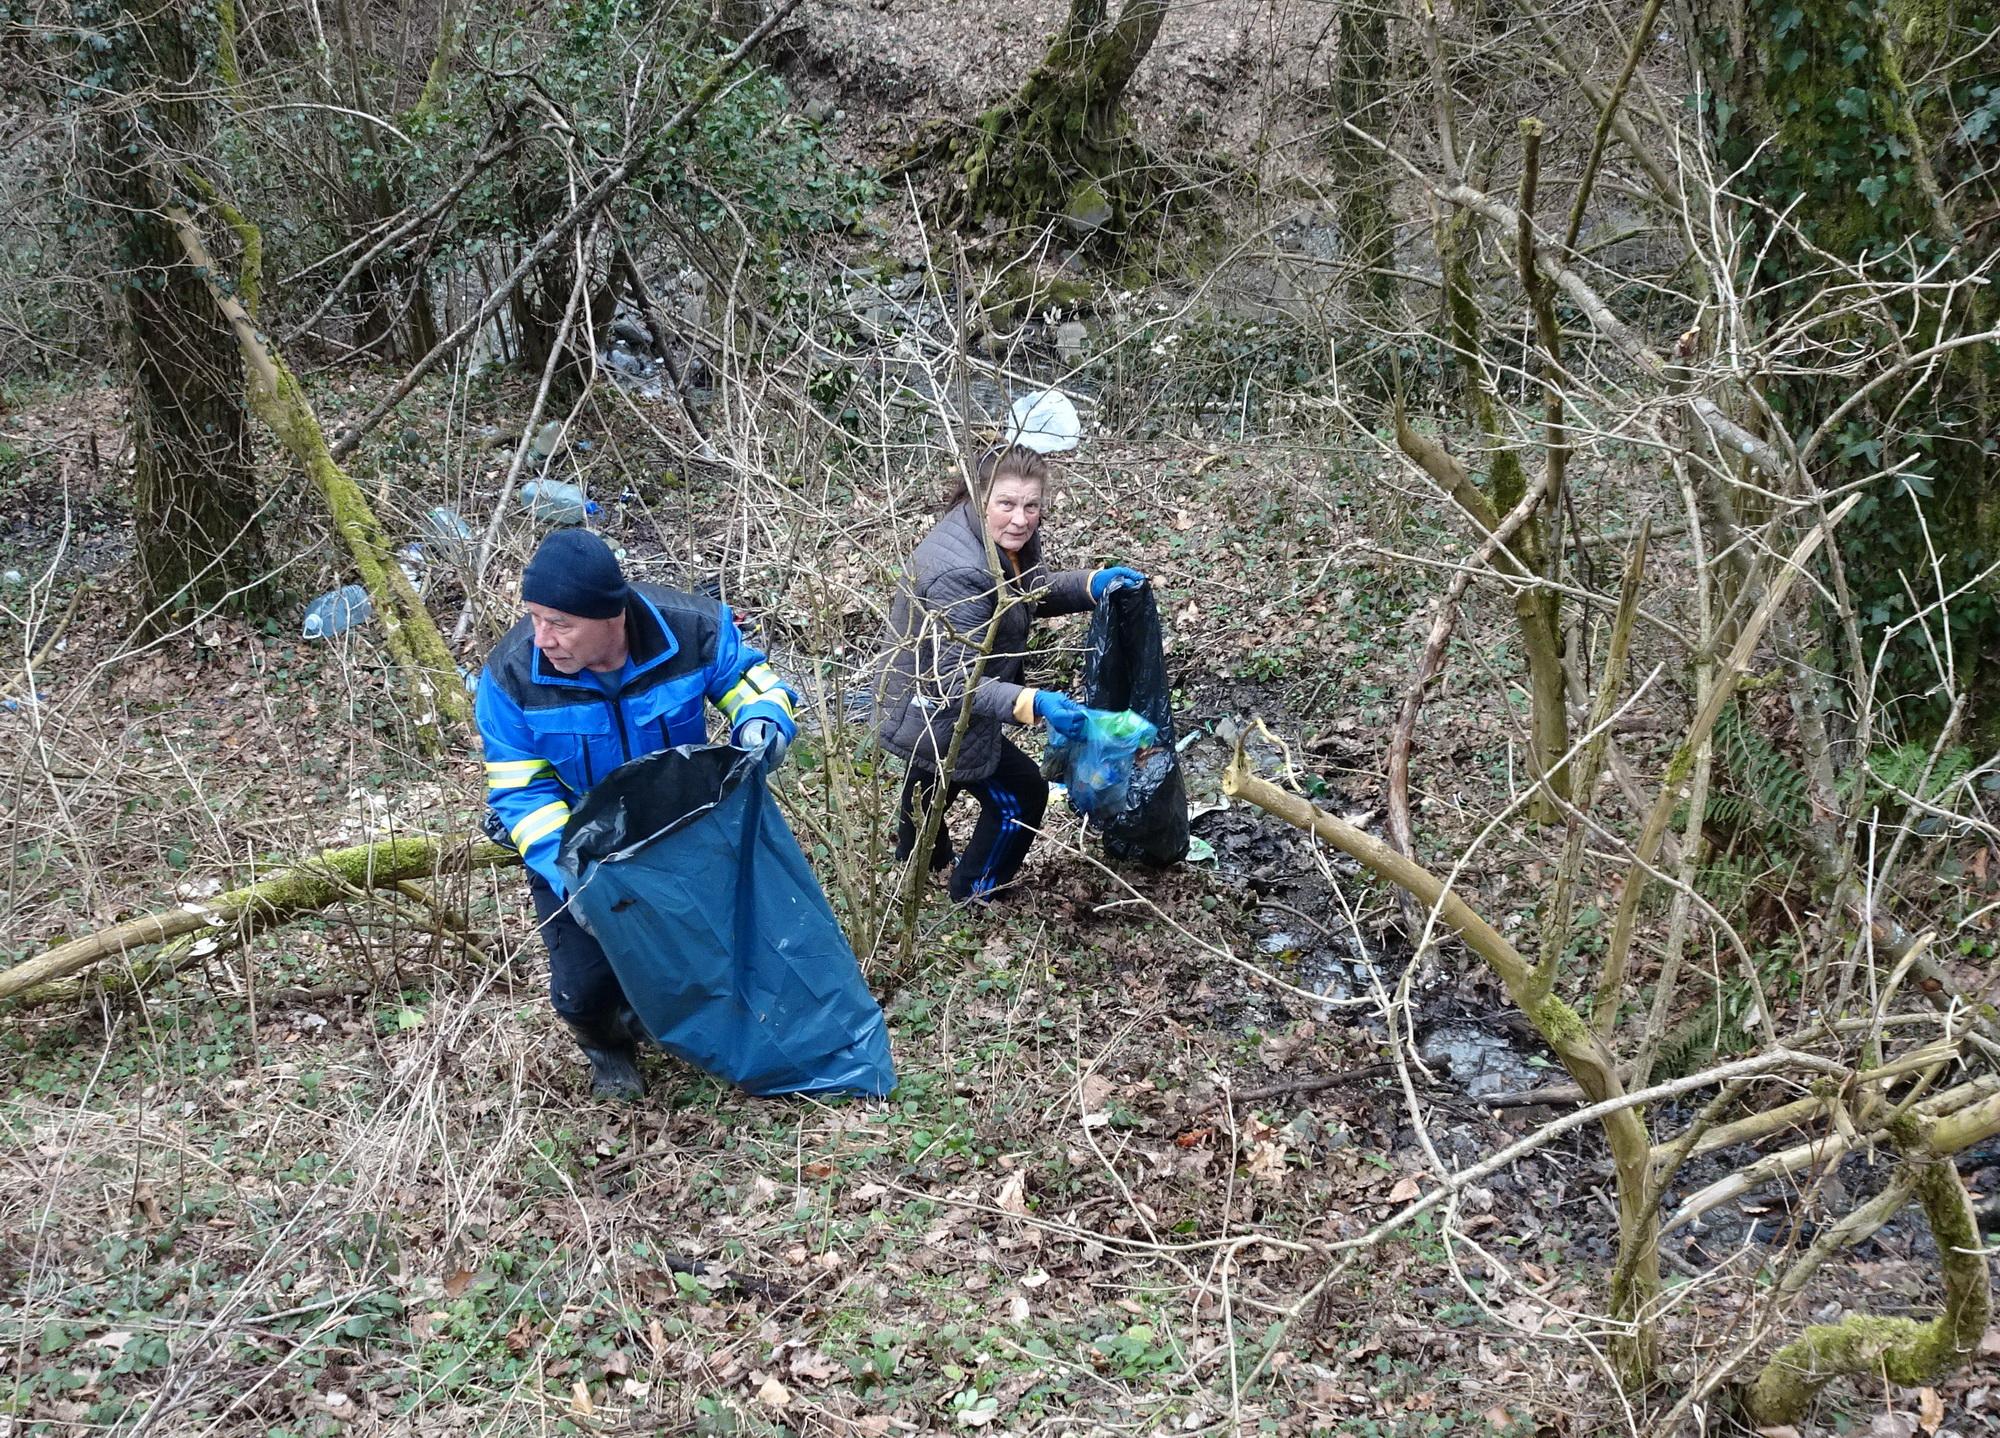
x=1302 y=936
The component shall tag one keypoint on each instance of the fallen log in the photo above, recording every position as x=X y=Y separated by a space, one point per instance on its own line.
x=302 y=888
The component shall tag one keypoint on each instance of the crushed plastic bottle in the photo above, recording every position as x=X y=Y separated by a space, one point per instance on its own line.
x=415 y=564
x=338 y=611
x=556 y=501
x=447 y=528
x=547 y=439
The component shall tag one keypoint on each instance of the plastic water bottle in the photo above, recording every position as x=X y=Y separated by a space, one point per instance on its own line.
x=338 y=611
x=556 y=501
x=448 y=529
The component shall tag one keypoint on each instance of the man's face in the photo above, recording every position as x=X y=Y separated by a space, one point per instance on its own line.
x=572 y=644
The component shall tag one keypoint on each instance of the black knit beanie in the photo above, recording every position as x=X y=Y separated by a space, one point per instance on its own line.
x=576 y=572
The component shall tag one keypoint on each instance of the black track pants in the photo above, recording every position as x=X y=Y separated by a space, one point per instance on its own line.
x=1011 y=802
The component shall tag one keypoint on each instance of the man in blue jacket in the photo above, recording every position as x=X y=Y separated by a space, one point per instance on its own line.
x=598 y=673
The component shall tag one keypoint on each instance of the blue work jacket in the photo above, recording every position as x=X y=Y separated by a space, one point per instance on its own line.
x=550 y=736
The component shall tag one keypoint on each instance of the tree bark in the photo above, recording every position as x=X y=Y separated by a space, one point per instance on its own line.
x=195 y=500
x=1061 y=146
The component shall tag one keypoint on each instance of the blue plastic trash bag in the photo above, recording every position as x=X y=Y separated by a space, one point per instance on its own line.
x=1097 y=769
x=337 y=612
x=686 y=872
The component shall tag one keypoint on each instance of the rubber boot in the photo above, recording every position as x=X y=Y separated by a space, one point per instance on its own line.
x=613 y=1055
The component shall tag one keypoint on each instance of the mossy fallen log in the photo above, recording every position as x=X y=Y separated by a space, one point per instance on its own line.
x=414 y=640
x=1906 y=1351
x=301 y=888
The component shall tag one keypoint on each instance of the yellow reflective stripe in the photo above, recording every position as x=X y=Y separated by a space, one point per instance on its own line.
x=758 y=682
x=516 y=773
x=540 y=824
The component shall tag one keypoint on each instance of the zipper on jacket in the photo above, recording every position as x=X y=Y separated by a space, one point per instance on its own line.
x=618 y=721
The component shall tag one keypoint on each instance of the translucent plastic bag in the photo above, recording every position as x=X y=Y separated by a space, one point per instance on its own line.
x=1097 y=769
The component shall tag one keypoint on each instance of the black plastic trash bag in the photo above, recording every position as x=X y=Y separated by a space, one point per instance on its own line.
x=1125 y=667
x=684 y=869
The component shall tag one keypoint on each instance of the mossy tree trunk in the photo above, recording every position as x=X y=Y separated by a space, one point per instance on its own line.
x=1812 y=109
x=1907 y=1352
x=414 y=641
x=1061 y=146
x=1537 y=607
x=194 y=491
x=1367 y=225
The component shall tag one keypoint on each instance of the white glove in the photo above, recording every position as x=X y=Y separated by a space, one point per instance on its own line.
x=764 y=734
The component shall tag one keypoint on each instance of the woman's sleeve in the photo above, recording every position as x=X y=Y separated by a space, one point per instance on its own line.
x=1068 y=592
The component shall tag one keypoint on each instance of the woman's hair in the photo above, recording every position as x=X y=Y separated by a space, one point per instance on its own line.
x=1013 y=461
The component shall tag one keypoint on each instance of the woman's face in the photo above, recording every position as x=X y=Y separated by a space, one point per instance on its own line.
x=1013 y=511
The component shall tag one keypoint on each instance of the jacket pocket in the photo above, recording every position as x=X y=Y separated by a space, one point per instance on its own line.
x=562 y=735
x=678 y=705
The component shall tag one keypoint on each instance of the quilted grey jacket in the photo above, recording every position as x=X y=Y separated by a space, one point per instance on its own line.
x=936 y=626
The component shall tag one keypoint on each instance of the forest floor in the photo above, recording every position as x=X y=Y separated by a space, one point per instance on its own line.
x=348 y=1178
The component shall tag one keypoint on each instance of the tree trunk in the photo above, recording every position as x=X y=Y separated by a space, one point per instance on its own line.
x=1367 y=227
x=412 y=636
x=398 y=320
x=195 y=501
x=1905 y=1351
x=1537 y=608
x=1062 y=146
x=1812 y=111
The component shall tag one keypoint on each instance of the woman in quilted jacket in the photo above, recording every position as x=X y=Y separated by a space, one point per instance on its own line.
x=955 y=590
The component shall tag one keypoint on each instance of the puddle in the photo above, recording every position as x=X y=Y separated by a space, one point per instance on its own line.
x=1480 y=1063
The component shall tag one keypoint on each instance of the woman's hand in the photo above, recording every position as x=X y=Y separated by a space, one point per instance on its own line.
x=1106 y=580
x=1062 y=714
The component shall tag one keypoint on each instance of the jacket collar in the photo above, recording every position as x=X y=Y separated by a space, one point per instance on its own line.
x=649 y=641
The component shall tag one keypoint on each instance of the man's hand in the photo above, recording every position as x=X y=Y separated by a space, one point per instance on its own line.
x=755 y=734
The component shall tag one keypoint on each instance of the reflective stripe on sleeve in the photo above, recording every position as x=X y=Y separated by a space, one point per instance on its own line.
x=516 y=773
x=758 y=682
x=540 y=824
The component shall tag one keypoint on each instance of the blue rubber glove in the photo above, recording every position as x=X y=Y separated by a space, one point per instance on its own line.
x=755 y=734
x=1062 y=714
x=1106 y=580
